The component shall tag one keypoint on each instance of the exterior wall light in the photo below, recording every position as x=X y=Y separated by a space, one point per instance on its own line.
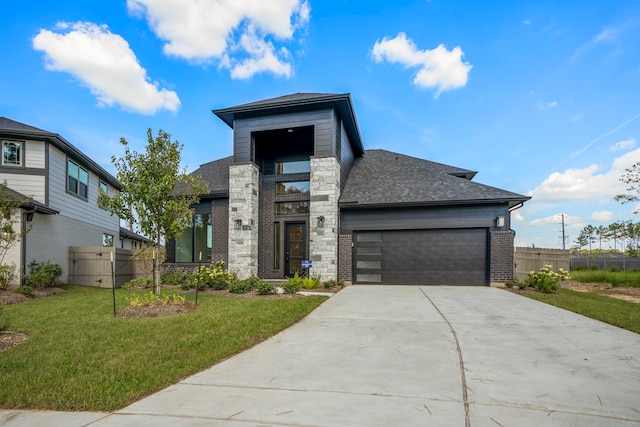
x=500 y=222
x=238 y=224
x=321 y=221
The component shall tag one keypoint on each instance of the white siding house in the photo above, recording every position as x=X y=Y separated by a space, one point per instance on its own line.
x=61 y=185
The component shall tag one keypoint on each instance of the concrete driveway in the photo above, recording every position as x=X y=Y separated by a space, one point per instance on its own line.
x=410 y=356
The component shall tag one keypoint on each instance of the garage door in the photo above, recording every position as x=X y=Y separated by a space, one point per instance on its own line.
x=421 y=257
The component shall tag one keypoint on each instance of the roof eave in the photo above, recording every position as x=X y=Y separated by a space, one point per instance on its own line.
x=228 y=115
x=510 y=201
x=68 y=148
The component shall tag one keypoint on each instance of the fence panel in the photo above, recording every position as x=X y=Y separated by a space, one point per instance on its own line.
x=91 y=266
x=533 y=259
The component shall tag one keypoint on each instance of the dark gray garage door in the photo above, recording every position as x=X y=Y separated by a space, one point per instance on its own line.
x=421 y=257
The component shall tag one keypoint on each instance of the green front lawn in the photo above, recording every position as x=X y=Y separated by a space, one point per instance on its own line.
x=79 y=357
x=624 y=314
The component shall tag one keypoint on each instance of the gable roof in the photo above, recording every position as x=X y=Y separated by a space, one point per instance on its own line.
x=298 y=102
x=13 y=129
x=382 y=177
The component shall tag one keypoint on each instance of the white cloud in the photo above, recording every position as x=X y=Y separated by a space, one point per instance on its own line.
x=577 y=117
x=569 y=220
x=624 y=145
x=516 y=216
x=240 y=34
x=104 y=62
x=586 y=183
x=439 y=68
x=542 y=106
x=602 y=216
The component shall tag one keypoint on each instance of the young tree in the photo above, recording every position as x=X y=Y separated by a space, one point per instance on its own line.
x=631 y=177
x=156 y=194
x=11 y=231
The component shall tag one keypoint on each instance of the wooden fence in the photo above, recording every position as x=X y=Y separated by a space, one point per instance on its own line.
x=533 y=259
x=91 y=266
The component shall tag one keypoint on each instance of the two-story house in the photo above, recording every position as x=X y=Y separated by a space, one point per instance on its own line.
x=301 y=189
x=60 y=185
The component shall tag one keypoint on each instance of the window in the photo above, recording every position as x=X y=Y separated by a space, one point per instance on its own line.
x=107 y=240
x=77 y=180
x=293 y=187
x=104 y=187
x=293 y=167
x=276 y=245
x=194 y=245
x=11 y=153
x=290 y=208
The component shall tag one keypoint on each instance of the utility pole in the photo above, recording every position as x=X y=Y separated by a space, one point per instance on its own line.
x=564 y=237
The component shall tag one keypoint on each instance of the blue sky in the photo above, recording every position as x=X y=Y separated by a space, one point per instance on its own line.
x=540 y=97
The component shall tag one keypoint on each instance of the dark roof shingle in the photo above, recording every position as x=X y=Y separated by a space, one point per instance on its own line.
x=382 y=177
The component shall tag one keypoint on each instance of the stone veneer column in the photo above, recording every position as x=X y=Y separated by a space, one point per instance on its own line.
x=323 y=241
x=244 y=183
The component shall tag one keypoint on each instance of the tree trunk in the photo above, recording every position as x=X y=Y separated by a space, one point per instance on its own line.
x=156 y=266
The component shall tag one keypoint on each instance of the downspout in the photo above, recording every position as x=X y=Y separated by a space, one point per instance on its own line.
x=27 y=216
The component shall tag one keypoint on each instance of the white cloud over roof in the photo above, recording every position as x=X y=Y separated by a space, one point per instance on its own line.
x=586 y=183
x=242 y=35
x=105 y=63
x=438 y=68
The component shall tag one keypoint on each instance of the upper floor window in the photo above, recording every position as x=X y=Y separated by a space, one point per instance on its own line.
x=301 y=166
x=11 y=153
x=77 y=180
x=104 y=187
x=293 y=187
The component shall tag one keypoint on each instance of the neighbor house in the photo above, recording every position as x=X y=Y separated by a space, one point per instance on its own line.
x=300 y=191
x=59 y=185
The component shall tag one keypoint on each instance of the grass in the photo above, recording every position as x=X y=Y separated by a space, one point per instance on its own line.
x=615 y=278
x=624 y=314
x=80 y=358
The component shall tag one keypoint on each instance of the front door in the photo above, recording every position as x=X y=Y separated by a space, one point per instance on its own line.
x=295 y=248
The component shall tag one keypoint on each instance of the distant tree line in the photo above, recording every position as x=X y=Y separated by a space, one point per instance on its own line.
x=621 y=236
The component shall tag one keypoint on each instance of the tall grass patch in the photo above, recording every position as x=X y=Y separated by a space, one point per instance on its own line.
x=614 y=277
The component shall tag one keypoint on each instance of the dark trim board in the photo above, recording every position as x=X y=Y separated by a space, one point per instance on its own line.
x=422 y=257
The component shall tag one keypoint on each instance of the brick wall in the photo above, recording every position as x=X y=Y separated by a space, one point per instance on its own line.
x=502 y=258
x=344 y=257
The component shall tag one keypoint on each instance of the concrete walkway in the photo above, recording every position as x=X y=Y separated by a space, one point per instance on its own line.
x=406 y=356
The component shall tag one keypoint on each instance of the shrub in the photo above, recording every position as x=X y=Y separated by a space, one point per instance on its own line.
x=7 y=274
x=329 y=283
x=25 y=290
x=310 y=282
x=290 y=287
x=220 y=283
x=44 y=275
x=296 y=279
x=243 y=286
x=546 y=280
x=265 y=288
x=139 y=283
x=152 y=300
x=175 y=278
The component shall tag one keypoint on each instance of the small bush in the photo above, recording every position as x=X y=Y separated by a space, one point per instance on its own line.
x=290 y=287
x=139 y=283
x=265 y=288
x=173 y=279
x=220 y=283
x=329 y=284
x=44 y=275
x=310 y=282
x=243 y=286
x=546 y=280
x=25 y=290
x=152 y=300
x=7 y=274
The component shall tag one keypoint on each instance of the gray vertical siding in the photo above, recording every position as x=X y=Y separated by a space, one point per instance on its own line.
x=321 y=120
